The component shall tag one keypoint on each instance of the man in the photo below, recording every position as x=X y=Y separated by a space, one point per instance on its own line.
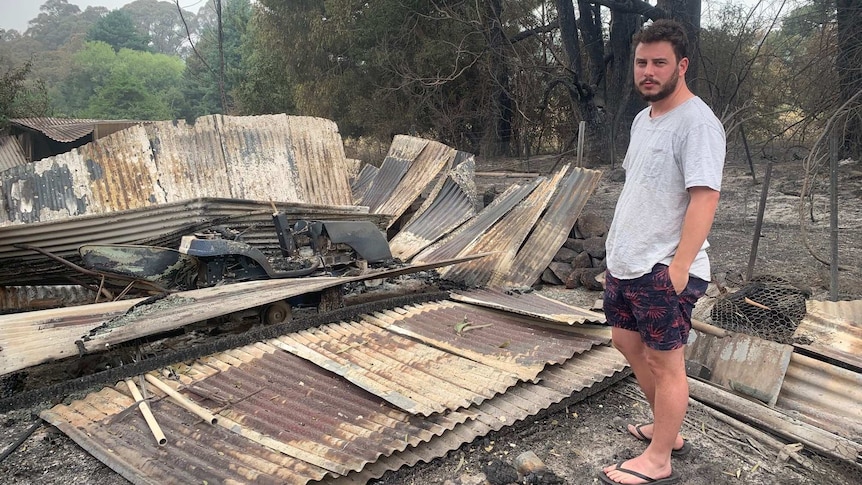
x=657 y=263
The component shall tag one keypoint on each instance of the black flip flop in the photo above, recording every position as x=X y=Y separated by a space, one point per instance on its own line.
x=684 y=450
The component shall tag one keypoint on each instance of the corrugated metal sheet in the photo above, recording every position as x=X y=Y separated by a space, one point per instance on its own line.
x=273 y=157
x=435 y=158
x=283 y=420
x=60 y=328
x=57 y=331
x=11 y=154
x=834 y=329
x=530 y=304
x=748 y=365
x=58 y=129
x=362 y=182
x=14 y=299
x=454 y=203
x=412 y=376
x=466 y=234
x=551 y=231
x=824 y=395
x=507 y=342
x=554 y=385
x=402 y=152
x=505 y=238
x=162 y=225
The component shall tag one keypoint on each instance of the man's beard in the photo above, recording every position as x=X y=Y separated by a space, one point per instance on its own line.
x=665 y=91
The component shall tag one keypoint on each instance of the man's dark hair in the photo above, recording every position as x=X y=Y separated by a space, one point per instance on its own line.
x=665 y=30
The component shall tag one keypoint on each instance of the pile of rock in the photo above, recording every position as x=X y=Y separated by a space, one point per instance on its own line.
x=582 y=256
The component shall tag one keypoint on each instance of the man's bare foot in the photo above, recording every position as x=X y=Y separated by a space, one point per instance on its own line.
x=649 y=472
x=644 y=432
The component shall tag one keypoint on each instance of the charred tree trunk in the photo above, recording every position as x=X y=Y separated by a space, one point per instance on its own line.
x=498 y=124
x=847 y=63
x=623 y=103
x=582 y=93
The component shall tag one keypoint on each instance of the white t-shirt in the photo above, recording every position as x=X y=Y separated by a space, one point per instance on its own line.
x=682 y=148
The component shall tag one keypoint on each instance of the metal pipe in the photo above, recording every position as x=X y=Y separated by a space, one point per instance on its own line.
x=759 y=224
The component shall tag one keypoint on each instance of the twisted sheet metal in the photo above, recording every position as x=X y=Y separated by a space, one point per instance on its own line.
x=531 y=304
x=834 y=329
x=505 y=238
x=282 y=419
x=453 y=203
x=14 y=299
x=403 y=151
x=551 y=231
x=465 y=236
x=824 y=395
x=362 y=182
x=270 y=157
x=162 y=225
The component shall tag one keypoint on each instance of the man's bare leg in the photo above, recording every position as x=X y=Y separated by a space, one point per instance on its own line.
x=655 y=370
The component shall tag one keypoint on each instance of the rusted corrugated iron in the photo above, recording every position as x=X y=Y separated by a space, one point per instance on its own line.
x=273 y=157
x=834 y=329
x=824 y=395
x=466 y=234
x=59 y=129
x=14 y=299
x=393 y=196
x=505 y=238
x=360 y=185
x=507 y=342
x=601 y=365
x=11 y=154
x=551 y=231
x=162 y=225
x=283 y=420
x=27 y=339
x=403 y=150
x=454 y=203
x=531 y=304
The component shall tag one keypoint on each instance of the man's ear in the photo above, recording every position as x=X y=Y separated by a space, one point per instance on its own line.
x=683 y=66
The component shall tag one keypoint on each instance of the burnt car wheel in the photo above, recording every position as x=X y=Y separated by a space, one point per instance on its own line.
x=278 y=312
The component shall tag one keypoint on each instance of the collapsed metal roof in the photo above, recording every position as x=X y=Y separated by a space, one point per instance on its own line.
x=66 y=129
x=11 y=153
x=283 y=419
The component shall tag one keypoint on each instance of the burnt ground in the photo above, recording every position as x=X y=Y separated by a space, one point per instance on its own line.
x=576 y=441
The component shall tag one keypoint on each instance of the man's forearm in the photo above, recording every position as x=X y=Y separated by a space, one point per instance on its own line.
x=696 y=225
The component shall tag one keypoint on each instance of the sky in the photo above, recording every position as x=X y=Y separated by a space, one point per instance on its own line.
x=14 y=14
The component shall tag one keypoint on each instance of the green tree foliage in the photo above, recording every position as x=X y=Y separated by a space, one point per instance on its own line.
x=122 y=85
x=163 y=23
x=119 y=31
x=20 y=97
x=203 y=73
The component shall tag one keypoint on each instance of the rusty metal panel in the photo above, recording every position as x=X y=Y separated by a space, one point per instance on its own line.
x=435 y=158
x=451 y=205
x=283 y=420
x=505 y=238
x=748 y=365
x=599 y=365
x=14 y=299
x=530 y=304
x=11 y=153
x=824 y=395
x=551 y=231
x=402 y=152
x=412 y=376
x=833 y=329
x=501 y=340
x=466 y=234
x=58 y=129
x=362 y=182
x=268 y=158
x=186 y=307
x=31 y=338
